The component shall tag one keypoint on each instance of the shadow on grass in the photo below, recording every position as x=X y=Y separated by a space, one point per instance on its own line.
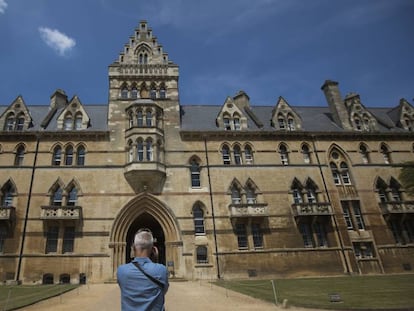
x=395 y=292
x=15 y=297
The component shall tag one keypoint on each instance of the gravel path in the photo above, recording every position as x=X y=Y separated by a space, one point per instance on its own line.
x=195 y=296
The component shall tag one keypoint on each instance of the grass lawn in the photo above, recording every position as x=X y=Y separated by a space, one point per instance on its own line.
x=355 y=292
x=13 y=297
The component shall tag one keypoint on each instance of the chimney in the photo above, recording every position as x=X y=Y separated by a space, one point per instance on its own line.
x=336 y=104
x=59 y=99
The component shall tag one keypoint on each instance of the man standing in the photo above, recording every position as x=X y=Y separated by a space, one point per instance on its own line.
x=143 y=283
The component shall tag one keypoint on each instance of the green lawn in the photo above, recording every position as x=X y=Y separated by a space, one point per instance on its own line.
x=13 y=297
x=355 y=292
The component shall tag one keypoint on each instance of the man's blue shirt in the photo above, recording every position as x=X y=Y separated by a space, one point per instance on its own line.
x=138 y=292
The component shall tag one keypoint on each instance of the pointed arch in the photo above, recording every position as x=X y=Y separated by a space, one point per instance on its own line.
x=74 y=183
x=8 y=192
x=142 y=204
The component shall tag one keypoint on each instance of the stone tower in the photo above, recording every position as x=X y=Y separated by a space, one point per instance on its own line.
x=143 y=103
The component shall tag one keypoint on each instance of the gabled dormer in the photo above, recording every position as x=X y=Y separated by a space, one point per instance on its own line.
x=73 y=116
x=403 y=115
x=284 y=117
x=231 y=117
x=359 y=117
x=16 y=117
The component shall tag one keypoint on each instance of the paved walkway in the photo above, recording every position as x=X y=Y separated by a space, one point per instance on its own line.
x=195 y=296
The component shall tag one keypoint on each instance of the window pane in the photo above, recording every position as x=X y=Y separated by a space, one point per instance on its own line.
x=68 y=240
x=69 y=156
x=80 y=156
x=195 y=174
x=57 y=197
x=358 y=215
x=202 y=254
x=320 y=232
x=72 y=197
x=257 y=236
x=226 y=155
x=198 y=220
x=241 y=235
x=52 y=239
x=347 y=216
x=306 y=232
x=237 y=156
x=57 y=156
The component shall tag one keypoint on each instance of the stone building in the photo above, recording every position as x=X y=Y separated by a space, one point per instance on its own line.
x=233 y=190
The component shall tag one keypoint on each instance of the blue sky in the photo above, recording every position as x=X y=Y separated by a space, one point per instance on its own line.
x=268 y=48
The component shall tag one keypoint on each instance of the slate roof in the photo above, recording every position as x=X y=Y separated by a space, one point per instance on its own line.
x=98 y=115
x=203 y=118
x=314 y=119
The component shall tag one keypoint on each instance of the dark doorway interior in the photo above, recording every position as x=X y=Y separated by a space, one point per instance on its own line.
x=146 y=221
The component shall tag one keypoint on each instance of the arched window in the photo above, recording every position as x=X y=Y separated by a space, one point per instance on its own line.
x=386 y=154
x=226 y=122
x=251 y=196
x=140 y=150
x=198 y=217
x=69 y=155
x=236 y=121
x=72 y=197
x=364 y=153
x=284 y=154
x=68 y=123
x=248 y=155
x=57 y=156
x=297 y=192
x=195 y=174
x=202 y=255
x=311 y=195
x=306 y=154
x=382 y=190
x=153 y=93
x=57 y=197
x=335 y=173
x=345 y=174
x=225 y=151
x=162 y=93
x=47 y=278
x=235 y=195
x=18 y=160
x=130 y=120
x=20 y=123
x=237 y=155
x=148 y=118
x=80 y=156
x=130 y=152
x=78 y=121
x=9 y=125
x=124 y=92
x=395 y=190
x=134 y=93
x=7 y=193
x=149 y=150
x=140 y=119
x=281 y=121
x=291 y=123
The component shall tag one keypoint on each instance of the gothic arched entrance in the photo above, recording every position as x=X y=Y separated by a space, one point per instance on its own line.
x=147 y=221
x=145 y=210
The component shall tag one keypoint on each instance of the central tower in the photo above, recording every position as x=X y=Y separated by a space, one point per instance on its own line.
x=143 y=103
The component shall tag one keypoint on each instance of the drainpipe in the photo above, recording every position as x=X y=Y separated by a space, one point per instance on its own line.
x=212 y=209
x=19 y=265
x=341 y=243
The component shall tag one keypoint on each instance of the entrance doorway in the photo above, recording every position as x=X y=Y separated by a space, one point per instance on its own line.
x=145 y=220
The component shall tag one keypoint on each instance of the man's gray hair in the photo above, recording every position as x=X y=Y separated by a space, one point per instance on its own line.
x=143 y=240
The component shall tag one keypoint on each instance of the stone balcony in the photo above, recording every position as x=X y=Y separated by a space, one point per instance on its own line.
x=145 y=176
x=312 y=209
x=397 y=207
x=249 y=210
x=51 y=212
x=7 y=213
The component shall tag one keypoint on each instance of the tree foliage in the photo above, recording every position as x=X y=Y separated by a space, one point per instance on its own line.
x=407 y=177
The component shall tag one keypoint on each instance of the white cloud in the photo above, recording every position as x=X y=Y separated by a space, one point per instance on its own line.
x=56 y=40
x=3 y=6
